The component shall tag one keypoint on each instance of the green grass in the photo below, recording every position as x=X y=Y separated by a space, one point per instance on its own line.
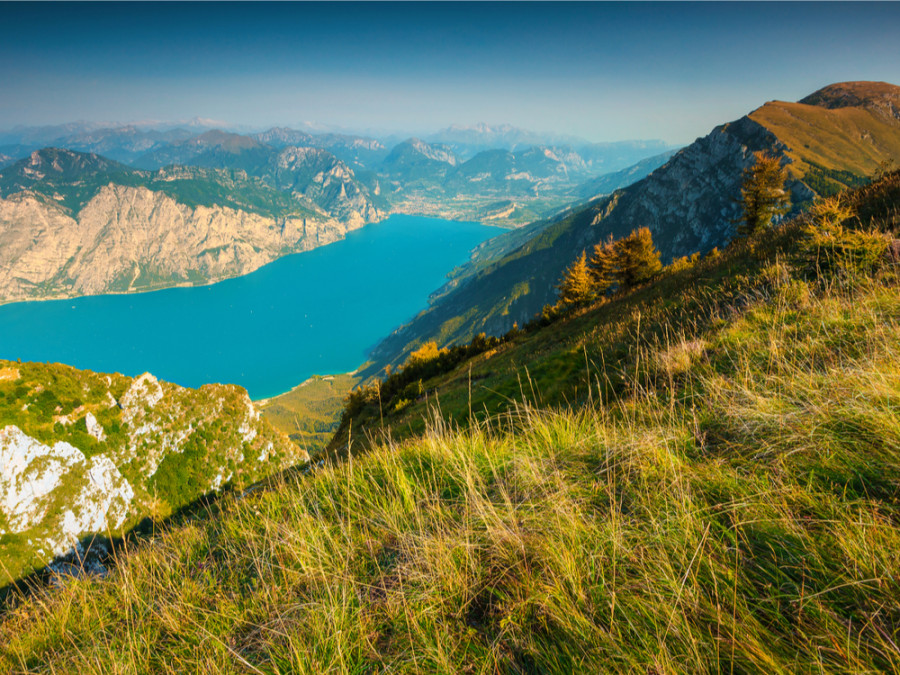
x=745 y=521
x=311 y=412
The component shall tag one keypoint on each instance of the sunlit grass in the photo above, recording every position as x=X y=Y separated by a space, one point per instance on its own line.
x=735 y=512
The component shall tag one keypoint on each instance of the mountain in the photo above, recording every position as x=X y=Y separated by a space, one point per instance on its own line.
x=604 y=158
x=358 y=151
x=699 y=475
x=312 y=175
x=468 y=140
x=216 y=149
x=610 y=182
x=45 y=135
x=77 y=224
x=503 y=186
x=123 y=144
x=531 y=171
x=414 y=162
x=86 y=454
x=320 y=178
x=689 y=204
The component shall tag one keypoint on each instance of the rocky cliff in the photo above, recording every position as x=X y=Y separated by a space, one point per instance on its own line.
x=320 y=178
x=134 y=239
x=83 y=453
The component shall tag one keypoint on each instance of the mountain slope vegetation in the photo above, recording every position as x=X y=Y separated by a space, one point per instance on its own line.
x=690 y=204
x=85 y=454
x=699 y=475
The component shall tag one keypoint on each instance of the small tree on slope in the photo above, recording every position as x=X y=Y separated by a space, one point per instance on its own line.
x=576 y=286
x=604 y=266
x=763 y=196
x=637 y=258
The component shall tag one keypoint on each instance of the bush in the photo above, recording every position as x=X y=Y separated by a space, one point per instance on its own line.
x=794 y=294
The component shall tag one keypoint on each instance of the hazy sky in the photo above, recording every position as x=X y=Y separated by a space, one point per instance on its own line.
x=601 y=71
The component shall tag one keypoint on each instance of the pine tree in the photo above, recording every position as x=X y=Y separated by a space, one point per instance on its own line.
x=576 y=286
x=637 y=258
x=763 y=196
x=603 y=266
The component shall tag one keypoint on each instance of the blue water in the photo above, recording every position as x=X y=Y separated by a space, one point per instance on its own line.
x=309 y=313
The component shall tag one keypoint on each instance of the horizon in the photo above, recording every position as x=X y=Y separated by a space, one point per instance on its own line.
x=601 y=72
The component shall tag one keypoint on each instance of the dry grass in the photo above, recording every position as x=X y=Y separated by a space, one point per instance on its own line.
x=744 y=520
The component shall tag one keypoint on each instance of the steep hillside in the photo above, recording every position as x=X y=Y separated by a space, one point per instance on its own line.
x=318 y=177
x=699 y=477
x=84 y=454
x=76 y=224
x=610 y=182
x=689 y=204
x=838 y=132
x=415 y=162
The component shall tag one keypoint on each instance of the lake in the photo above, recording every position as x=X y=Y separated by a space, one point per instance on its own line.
x=308 y=313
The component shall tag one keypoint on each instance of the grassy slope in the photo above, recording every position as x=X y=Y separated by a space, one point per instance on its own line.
x=553 y=367
x=831 y=149
x=721 y=498
x=310 y=412
x=847 y=139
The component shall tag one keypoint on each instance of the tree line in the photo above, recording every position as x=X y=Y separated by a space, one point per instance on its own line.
x=620 y=265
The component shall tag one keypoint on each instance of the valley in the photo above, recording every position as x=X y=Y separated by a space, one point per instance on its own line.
x=221 y=204
x=316 y=312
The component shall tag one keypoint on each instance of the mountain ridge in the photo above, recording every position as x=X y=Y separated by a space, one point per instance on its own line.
x=690 y=205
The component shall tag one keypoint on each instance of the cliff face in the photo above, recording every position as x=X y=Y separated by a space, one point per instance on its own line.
x=78 y=224
x=320 y=178
x=83 y=453
x=135 y=239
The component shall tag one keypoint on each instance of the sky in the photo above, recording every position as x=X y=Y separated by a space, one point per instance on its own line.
x=601 y=71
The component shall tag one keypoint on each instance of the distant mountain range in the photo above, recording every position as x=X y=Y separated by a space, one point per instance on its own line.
x=833 y=138
x=132 y=208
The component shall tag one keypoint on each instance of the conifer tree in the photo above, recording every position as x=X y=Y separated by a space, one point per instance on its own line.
x=763 y=196
x=637 y=258
x=603 y=266
x=576 y=286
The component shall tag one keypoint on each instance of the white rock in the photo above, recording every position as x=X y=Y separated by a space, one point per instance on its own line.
x=86 y=495
x=94 y=428
x=29 y=473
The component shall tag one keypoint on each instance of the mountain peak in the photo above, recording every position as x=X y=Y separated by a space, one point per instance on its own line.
x=63 y=161
x=225 y=139
x=877 y=96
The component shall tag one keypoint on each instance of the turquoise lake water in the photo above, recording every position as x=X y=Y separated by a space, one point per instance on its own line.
x=309 y=313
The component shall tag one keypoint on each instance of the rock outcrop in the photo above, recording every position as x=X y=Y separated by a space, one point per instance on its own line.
x=121 y=450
